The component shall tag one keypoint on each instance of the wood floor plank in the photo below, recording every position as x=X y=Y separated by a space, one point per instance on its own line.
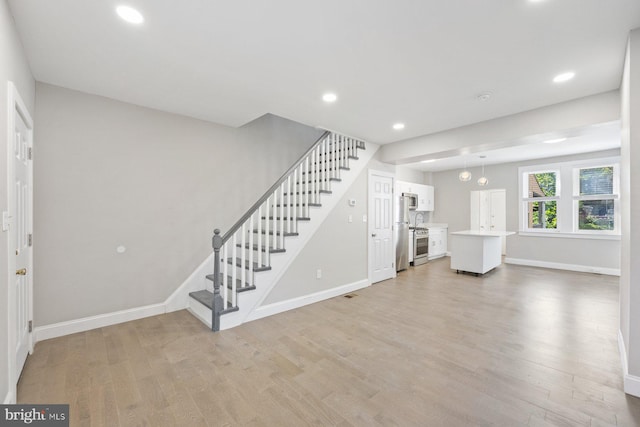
x=517 y=346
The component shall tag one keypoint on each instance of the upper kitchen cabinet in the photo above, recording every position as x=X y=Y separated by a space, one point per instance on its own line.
x=425 y=198
x=425 y=194
x=406 y=187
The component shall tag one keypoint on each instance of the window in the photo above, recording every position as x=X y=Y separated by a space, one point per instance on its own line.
x=596 y=198
x=590 y=209
x=542 y=200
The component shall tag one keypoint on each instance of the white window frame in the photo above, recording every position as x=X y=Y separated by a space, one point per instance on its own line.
x=524 y=224
x=615 y=196
x=567 y=177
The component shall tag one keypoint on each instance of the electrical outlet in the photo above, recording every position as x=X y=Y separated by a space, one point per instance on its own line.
x=350 y=218
x=319 y=274
x=364 y=218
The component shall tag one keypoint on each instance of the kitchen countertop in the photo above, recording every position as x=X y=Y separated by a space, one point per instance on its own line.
x=435 y=225
x=483 y=233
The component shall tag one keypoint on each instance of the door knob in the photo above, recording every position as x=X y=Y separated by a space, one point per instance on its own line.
x=21 y=272
x=373 y=234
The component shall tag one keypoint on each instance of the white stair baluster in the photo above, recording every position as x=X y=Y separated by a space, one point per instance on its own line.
x=234 y=268
x=259 y=237
x=267 y=223
x=282 y=215
x=291 y=206
x=223 y=282
x=310 y=166
x=243 y=257
x=251 y=229
x=324 y=176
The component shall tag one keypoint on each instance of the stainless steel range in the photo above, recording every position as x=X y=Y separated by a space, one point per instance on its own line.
x=420 y=246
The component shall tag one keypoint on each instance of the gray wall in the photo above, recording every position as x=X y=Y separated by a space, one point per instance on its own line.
x=13 y=67
x=109 y=173
x=338 y=248
x=630 y=189
x=452 y=205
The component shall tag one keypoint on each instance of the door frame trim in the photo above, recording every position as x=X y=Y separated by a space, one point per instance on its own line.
x=391 y=175
x=16 y=106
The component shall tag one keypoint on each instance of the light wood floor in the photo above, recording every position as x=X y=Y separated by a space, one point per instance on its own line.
x=519 y=346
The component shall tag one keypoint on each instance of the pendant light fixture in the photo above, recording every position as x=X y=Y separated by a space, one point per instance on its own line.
x=482 y=181
x=465 y=175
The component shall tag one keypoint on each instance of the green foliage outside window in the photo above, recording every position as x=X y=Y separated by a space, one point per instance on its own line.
x=547 y=183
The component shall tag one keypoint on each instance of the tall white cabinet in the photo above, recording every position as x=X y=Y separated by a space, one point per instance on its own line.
x=489 y=212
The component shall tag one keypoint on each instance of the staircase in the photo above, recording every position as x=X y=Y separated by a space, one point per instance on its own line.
x=248 y=249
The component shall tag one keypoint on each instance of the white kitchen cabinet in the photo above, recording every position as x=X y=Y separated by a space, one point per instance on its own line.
x=437 y=242
x=405 y=187
x=425 y=198
x=425 y=194
x=411 y=250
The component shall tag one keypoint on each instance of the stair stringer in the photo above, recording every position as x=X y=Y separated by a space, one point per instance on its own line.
x=249 y=302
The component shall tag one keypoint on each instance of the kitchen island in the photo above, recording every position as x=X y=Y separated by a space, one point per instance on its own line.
x=476 y=251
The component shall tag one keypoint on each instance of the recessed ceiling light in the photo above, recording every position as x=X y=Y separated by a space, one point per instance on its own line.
x=553 y=141
x=329 y=97
x=564 y=77
x=398 y=126
x=130 y=14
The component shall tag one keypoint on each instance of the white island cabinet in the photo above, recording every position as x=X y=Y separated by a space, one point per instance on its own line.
x=476 y=251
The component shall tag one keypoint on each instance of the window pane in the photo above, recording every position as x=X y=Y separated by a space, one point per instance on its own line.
x=596 y=181
x=543 y=215
x=596 y=215
x=542 y=184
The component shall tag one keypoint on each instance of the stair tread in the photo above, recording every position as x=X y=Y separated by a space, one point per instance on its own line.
x=315 y=205
x=309 y=192
x=256 y=266
x=262 y=248
x=205 y=298
x=278 y=233
x=344 y=168
x=239 y=286
x=320 y=180
x=286 y=218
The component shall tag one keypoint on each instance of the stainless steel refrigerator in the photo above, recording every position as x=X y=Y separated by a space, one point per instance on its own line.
x=401 y=231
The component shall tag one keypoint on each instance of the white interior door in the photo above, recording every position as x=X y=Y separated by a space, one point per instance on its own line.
x=381 y=246
x=479 y=211
x=498 y=214
x=489 y=212
x=20 y=225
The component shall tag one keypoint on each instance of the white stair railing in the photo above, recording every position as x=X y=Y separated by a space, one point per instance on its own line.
x=246 y=248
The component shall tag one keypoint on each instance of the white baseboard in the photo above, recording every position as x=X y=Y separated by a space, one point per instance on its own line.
x=631 y=382
x=93 y=322
x=560 y=266
x=8 y=400
x=282 y=306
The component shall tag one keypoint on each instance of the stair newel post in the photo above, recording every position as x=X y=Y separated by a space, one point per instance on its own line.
x=217 y=298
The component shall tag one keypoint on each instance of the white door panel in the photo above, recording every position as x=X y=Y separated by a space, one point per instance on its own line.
x=23 y=251
x=381 y=227
x=18 y=221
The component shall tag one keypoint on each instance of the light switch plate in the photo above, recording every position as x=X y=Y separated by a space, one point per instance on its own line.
x=6 y=220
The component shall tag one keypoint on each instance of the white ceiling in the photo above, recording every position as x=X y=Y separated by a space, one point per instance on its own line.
x=603 y=136
x=421 y=62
